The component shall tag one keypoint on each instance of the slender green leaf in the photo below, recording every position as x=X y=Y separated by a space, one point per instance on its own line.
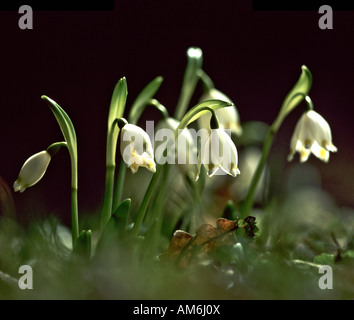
x=121 y=215
x=116 y=110
x=295 y=96
x=83 y=244
x=299 y=91
x=118 y=100
x=70 y=126
x=64 y=122
x=143 y=99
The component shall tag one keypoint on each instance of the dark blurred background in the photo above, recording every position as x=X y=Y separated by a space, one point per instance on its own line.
x=76 y=58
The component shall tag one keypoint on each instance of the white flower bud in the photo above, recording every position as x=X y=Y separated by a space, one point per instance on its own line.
x=32 y=171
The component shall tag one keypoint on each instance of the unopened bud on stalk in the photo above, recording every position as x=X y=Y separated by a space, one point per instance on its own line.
x=32 y=171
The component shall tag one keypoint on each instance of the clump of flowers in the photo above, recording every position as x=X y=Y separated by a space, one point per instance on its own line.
x=209 y=152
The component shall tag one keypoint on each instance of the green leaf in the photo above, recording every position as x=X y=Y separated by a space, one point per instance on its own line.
x=143 y=98
x=69 y=134
x=121 y=215
x=295 y=96
x=64 y=122
x=302 y=86
x=324 y=259
x=116 y=110
x=83 y=244
x=115 y=226
x=118 y=100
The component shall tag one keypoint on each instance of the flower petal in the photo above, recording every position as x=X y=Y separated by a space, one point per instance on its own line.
x=320 y=152
x=136 y=148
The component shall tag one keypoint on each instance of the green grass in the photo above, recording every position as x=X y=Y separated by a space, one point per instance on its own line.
x=275 y=265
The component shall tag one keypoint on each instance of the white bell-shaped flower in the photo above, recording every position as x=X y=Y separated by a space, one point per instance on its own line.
x=32 y=171
x=182 y=152
x=312 y=134
x=136 y=148
x=228 y=117
x=218 y=154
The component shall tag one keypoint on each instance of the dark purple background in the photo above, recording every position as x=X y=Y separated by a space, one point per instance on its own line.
x=76 y=58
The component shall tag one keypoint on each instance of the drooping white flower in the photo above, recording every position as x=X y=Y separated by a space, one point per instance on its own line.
x=228 y=117
x=136 y=148
x=312 y=134
x=218 y=154
x=183 y=151
x=32 y=171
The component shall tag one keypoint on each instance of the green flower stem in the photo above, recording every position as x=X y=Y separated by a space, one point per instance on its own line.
x=208 y=84
x=120 y=122
x=52 y=150
x=248 y=203
x=54 y=147
x=292 y=100
x=108 y=198
x=74 y=215
x=194 y=64
x=74 y=202
x=118 y=190
x=161 y=108
x=145 y=202
x=195 y=189
x=309 y=103
x=214 y=122
x=200 y=109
